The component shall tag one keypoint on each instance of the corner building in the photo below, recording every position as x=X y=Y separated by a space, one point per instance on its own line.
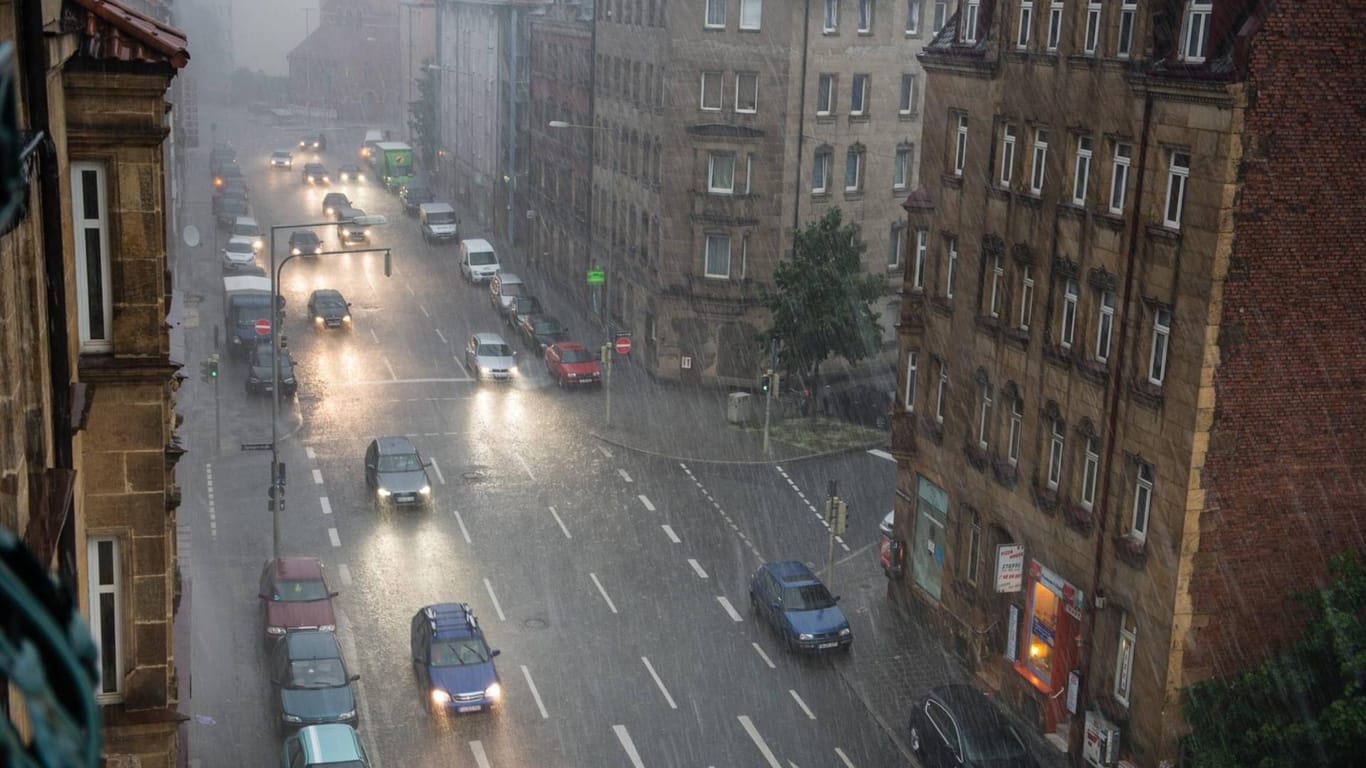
x=1130 y=330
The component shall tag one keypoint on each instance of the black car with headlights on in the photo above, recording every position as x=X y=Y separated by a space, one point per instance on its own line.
x=396 y=473
x=315 y=143
x=316 y=173
x=332 y=201
x=311 y=680
x=305 y=242
x=350 y=174
x=327 y=308
x=259 y=375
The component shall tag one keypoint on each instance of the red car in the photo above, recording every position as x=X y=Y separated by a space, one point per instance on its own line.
x=571 y=365
x=296 y=595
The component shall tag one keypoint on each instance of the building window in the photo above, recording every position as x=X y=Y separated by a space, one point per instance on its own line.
x=1036 y=174
x=721 y=173
x=746 y=92
x=94 y=289
x=960 y=150
x=984 y=418
x=1178 y=174
x=820 y=171
x=896 y=243
x=1090 y=472
x=1026 y=28
x=951 y=268
x=1195 y=30
x=750 y=13
x=1092 y=38
x=1124 y=659
x=1069 y=315
x=912 y=17
x=831 y=21
x=901 y=168
x=1055 y=439
x=1055 y=9
x=865 y=16
x=718 y=256
x=1119 y=177
x=716 y=14
x=941 y=15
x=858 y=95
x=906 y=105
x=1026 y=296
x=974 y=548
x=927 y=551
x=1143 y=503
x=1046 y=618
x=853 y=170
x=922 y=247
x=749 y=173
x=998 y=274
x=1157 y=360
x=941 y=392
x=825 y=94
x=1128 y=11
x=970 y=21
x=106 y=613
x=1105 y=326
x=1082 y=178
x=711 y=92
x=1007 y=154
x=1016 y=423
x=912 y=363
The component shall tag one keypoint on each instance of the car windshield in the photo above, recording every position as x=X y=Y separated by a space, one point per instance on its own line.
x=245 y=230
x=576 y=356
x=483 y=258
x=495 y=350
x=528 y=305
x=400 y=462
x=316 y=673
x=513 y=289
x=240 y=247
x=329 y=302
x=459 y=653
x=299 y=590
x=418 y=192
x=989 y=744
x=308 y=239
x=547 y=326
x=808 y=597
x=443 y=217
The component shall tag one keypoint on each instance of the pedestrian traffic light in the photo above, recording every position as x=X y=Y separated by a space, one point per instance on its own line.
x=765 y=382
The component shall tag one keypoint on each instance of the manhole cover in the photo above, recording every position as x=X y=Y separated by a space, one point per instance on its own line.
x=473 y=477
x=535 y=623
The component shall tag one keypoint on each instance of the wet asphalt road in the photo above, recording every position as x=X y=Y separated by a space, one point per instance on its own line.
x=614 y=583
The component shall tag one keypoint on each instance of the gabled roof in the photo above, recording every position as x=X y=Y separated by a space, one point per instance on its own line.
x=112 y=30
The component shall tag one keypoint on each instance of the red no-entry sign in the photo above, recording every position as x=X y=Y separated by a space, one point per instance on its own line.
x=623 y=345
x=263 y=327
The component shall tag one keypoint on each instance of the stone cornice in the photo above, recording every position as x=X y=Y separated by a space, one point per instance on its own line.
x=110 y=369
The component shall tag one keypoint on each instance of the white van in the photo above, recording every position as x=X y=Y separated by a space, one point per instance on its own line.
x=478 y=262
x=438 y=221
x=367 y=147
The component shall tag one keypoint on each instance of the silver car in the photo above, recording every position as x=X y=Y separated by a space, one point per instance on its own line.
x=238 y=254
x=488 y=356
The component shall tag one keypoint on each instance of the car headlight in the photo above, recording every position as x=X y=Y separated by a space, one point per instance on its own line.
x=275 y=630
x=365 y=233
x=846 y=632
x=493 y=691
x=384 y=493
x=346 y=318
x=328 y=211
x=288 y=718
x=257 y=246
x=439 y=696
x=326 y=179
x=327 y=627
x=512 y=370
x=484 y=369
x=318 y=319
x=350 y=714
x=310 y=178
x=803 y=636
x=317 y=250
x=426 y=490
x=295 y=251
x=360 y=177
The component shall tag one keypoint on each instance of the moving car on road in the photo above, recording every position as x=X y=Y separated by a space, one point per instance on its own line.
x=571 y=365
x=958 y=726
x=396 y=473
x=797 y=604
x=334 y=744
x=316 y=142
x=489 y=357
x=349 y=227
x=327 y=308
x=238 y=254
x=260 y=377
x=282 y=158
x=304 y=242
x=333 y=201
x=295 y=595
x=311 y=680
x=350 y=174
x=316 y=173
x=452 y=660
x=540 y=331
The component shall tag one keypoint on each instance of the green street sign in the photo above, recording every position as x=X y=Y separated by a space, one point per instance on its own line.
x=596 y=277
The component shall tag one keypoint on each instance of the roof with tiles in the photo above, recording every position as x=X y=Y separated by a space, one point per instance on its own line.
x=113 y=31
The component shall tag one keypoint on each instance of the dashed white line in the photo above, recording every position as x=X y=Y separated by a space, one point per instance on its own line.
x=333 y=537
x=461 y=522
x=496 y=607
x=881 y=454
x=535 y=694
x=344 y=573
x=730 y=609
x=392 y=376
x=624 y=476
x=669 y=531
x=480 y=758
x=809 y=714
x=660 y=683
x=213 y=515
x=425 y=313
x=605 y=452
x=556 y=515
x=326 y=505
x=442 y=336
x=439 y=476
x=317 y=477
x=309 y=452
x=697 y=568
x=758 y=740
x=845 y=758
x=525 y=466
x=630 y=747
x=410 y=289
x=610 y=604
x=764 y=656
x=373 y=335
x=645 y=500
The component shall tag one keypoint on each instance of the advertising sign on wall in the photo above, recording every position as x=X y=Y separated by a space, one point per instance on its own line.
x=1009 y=568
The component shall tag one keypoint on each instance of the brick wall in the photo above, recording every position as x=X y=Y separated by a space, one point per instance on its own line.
x=1289 y=431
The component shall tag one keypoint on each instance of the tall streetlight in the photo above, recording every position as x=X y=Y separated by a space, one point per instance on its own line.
x=277 y=486
x=607 y=278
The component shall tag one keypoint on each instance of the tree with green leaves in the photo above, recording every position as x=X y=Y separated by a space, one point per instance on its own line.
x=822 y=302
x=1306 y=706
x=422 y=119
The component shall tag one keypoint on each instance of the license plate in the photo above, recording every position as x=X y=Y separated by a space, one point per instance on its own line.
x=474 y=708
x=403 y=498
x=827 y=645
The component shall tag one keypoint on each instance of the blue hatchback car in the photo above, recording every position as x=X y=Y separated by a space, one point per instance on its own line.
x=792 y=599
x=452 y=660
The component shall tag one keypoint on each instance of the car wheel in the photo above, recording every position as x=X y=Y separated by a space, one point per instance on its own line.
x=915 y=740
x=753 y=604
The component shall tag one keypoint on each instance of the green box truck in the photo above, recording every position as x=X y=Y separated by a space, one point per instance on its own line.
x=393 y=163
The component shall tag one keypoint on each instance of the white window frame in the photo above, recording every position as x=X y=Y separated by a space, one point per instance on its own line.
x=1068 y=322
x=755 y=91
x=1026 y=296
x=908 y=394
x=998 y=274
x=1124 y=659
x=974 y=549
x=1119 y=176
x=941 y=392
x=855 y=156
x=922 y=248
x=1124 y=35
x=1081 y=177
x=1025 y=28
x=1055 y=446
x=865 y=16
x=749 y=172
x=830 y=18
x=1007 y=155
x=720 y=92
x=108 y=689
x=707 y=257
x=1195 y=30
x=960 y=150
x=1105 y=326
x=1016 y=426
x=1178 y=177
x=907 y=95
x=941 y=15
x=1090 y=473
x=1038 y=169
x=715 y=163
x=1161 y=346
x=897 y=245
x=83 y=224
x=913 y=10
x=950 y=272
x=984 y=419
x=1055 y=14
x=1091 y=37
x=825 y=83
x=971 y=12
x=754 y=7
x=1143 y=503
x=901 y=169
x=714 y=15
x=858 y=95
x=820 y=172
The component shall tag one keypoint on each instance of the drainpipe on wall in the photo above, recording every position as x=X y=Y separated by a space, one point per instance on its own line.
x=801 y=120
x=513 y=74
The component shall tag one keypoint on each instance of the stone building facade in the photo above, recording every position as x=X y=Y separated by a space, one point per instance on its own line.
x=349 y=65
x=1120 y=371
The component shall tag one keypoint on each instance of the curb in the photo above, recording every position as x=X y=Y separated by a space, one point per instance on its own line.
x=738 y=462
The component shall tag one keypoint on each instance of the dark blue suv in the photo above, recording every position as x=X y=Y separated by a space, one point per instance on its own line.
x=790 y=597
x=452 y=661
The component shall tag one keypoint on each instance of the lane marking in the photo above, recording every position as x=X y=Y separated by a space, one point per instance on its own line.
x=535 y=694
x=377 y=382
x=480 y=758
x=624 y=476
x=840 y=753
x=730 y=609
x=605 y=452
x=425 y=313
x=344 y=573
x=326 y=505
x=630 y=747
x=659 y=683
x=392 y=376
x=764 y=656
x=881 y=454
x=462 y=367
x=372 y=334
x=463 y=530
x=525 y=466
x=722 y=512
x=213 y=514
x=809 y=714
x=645 y=500
x=333 y=537
x=309 y=452
x=317 y=477
x=758 y=740
x=697 y=568
x=442 y=336
x=556 y=515
x=439 y=476
x=410 y=289
x=489 y=586
x=610 y=604
x=669 y=531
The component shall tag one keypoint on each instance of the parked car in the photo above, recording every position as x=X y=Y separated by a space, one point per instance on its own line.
x=350 y=174
x=452 y=660
x=238 y=254
x=864 y=404
x=260 y=377
x=478 y=261
x=335 y=744
x=958 y=725
x=333 y=201
x=887 y=526
x=311 y=680
x=229 y=208
x=503 y=288
x=570 y=365
x=282 y=158
x=225 y=171
x=540 y=331
x=221 y=153
x=795 y=602
x=295 y=595
x=489 y=357
x=246 y=226
x=327 y=308
x=414 y=195
x=521 y=307
x=438 y=222
x=304 y=242
x=231 y=186
x=316 y=173
x=396 y=473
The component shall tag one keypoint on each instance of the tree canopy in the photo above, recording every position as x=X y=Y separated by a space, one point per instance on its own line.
x=422 y=120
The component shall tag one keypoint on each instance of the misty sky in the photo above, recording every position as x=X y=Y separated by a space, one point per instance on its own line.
x=263 y=31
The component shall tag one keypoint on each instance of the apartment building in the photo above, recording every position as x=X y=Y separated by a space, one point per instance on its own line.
x=1128 y=347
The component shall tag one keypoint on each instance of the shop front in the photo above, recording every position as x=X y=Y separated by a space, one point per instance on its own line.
x=1051 y=633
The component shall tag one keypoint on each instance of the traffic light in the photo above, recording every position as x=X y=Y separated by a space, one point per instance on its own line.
x=208 y=369
x=213 y=367
x=766 y=382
